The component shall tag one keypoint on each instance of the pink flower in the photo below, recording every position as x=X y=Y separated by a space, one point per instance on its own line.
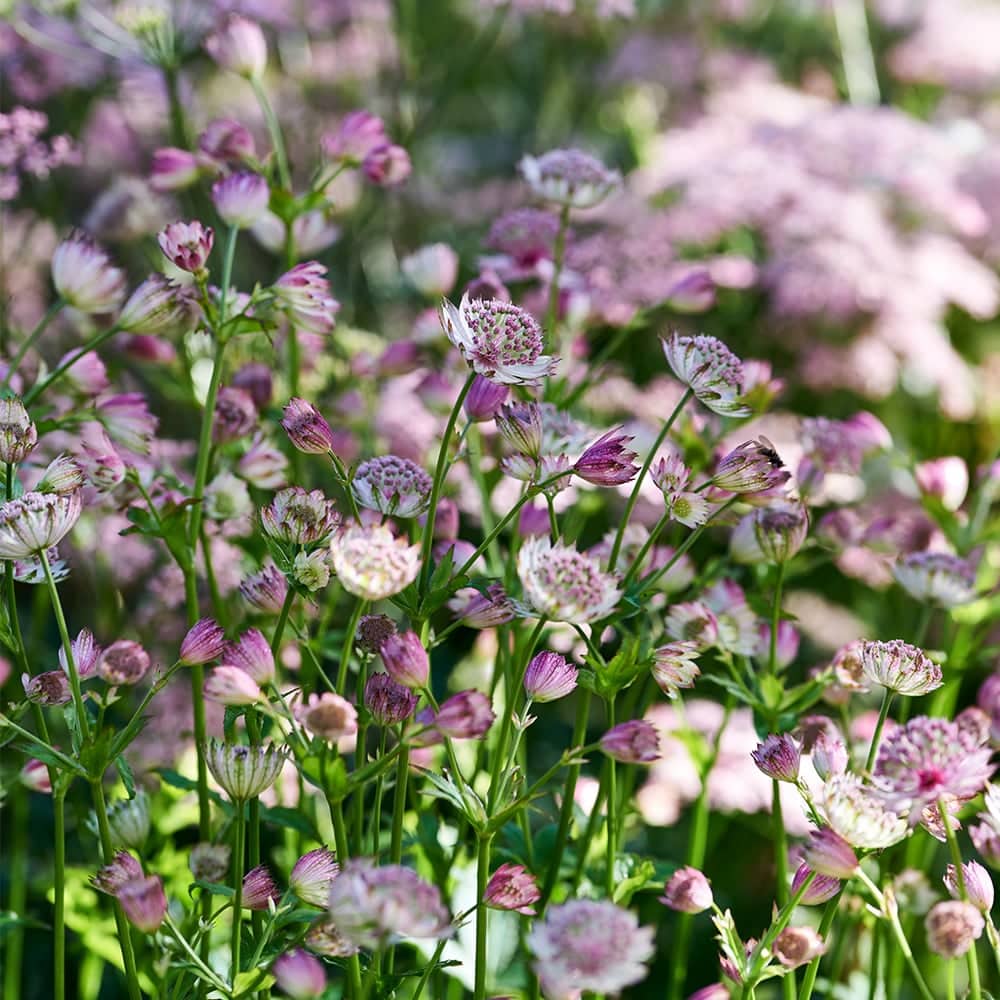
x=240 y=199
x=203 y=643
x=229 y=685
x=607 y=462
x=387 y=165
x=406 y=660
x=778 y=757
x=187 y=245
x=227 y=141
x=467 y=715
x=252 y=654
x=239 y=46
x=299 y=975
x=512 y=887
x=687 y=891
x=632 y=742
x=312 y=876
x=123 y=662
x=306 y=428
x=121 y=870
x=144 y=902
x=328 y=716
x=259 y=889
x=549 y=677
x=569 y=177
x=389 y=703
x=392 y=485
x=303 y=293
x=358 y=134
x=85 y=278
x=944 y=479
x=173 y=169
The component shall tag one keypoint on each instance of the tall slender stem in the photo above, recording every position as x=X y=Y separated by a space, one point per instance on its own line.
x=812 y=970
x=482 y=877
x=279 y=628
x=558 y=255
x=348 y=647
x=59 y=888
x=16 y=855
x=398 y=814
x=612 y=838
x=972 y=959
x=883 y=714
x=440 y=471
x=343 y=853
x=239 y=862
x=29 y=341
x=274 y=130
x=772 y=652
x=637 y=486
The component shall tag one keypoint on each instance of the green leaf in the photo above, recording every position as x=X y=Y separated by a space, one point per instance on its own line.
x=212 y=888
x=126 y=774
x=292 y=819
x=10 y=921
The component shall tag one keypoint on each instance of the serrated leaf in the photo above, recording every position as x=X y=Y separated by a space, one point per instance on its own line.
x=125 y=773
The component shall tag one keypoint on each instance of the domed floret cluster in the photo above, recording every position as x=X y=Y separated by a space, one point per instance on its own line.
x=563 y=584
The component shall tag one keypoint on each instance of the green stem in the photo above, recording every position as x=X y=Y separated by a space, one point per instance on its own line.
x=29 y=341
x=398 y=814
x=239 y=861
x=340 y=836
x=428 y=969
x=279 y=628
x=637 y=486
x=57 y=373
x=274 y=130
x=566 y=814
x=482 y=911
x=558 y=254
x=178 y=122
x=812 y=970
x=17 y=859
x=975 y=987
x=427 y=542
x=59 y=887
x=883 y=714
x=772 y=653
x=348 y=647
x=612 y=839
x=640 y=557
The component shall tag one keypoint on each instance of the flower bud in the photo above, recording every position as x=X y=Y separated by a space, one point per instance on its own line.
x=240 y=199
x=778 y=757
x=299 y=975
x=632 y=742
x=50 y=688
x=406 y=661
x=203 y=643
x=549 y=676
x=944 y=479
x=306 y=428
x=389 y=703
x=252 y=654
x=687 y=891
x=35 y=775
x=18 y=434
x=484 y=399
x=432 y=270
x=829 y=756
x=821 y=889
x=144 y=903
x=512 y=887
x=977 y=883
x=210 y=862
x=122 y=869
x=387 y=165
x=829 y=854
x=129 y=821
x=328 y=716
x=229 y=685
x=796 y=946
x=123 y=662
x=239 y=46
x=85 y=278
x=953 y=927
x=373 y=630
x=173 y=169
x=312 y=875
x=259 y=889
x=187 y=245
x=467 y=715
x=266 y=590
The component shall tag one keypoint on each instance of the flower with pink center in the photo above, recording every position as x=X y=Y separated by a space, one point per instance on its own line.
x=587 y=945
x=608 y=462
x=328 y=716
x=123 y=662
x=525 y=237
x=312 y=875
x=187 y=245
x=85 y=278
x=35 y=522
x=240 y=199
x=927 y=760
x=569 y=177
x=372 y=563
x=900 y=667
x=549 y=677
x=392 y=485
x=303 y=293
x=564 y=584
x=512 y=887
x=306 y=428
x=239 y=46
x=710 y=370
x=376 y=906
x=299 y=517
x=939 y=578
x=390 y=703
x=796 y=946
x=498 y=340
x=633 y=742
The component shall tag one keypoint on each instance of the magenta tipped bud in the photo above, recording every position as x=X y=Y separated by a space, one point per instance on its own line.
x=252 y=654
x=231 y=686
x=312 y=875
x=389 y=703
x=299 y=975
x=484 y=399
x=632 y=742
x=976 y=882
x=406 y=661
x=467 y=715
x=512 y=887
x=306 y=428
x=173 y=169
x=549 y=676
x=240 y=199
x=203 y=643
x=821 y=889
x=687 y=891
x=144 y=902
x=608 y=462
x=829 y=854
x=778 y=757
x=187 y=245
x=259 y=889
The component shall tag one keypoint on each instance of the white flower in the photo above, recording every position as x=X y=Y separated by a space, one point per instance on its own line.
x=563 y=584
x=35 y=522
x=372 y=564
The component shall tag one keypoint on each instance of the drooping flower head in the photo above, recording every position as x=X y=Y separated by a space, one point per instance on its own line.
x=820 y=890
x=299 y=517
x=674 y=666
x=376 y=906
x=35 y=522
x=312 y=875
x=392 y=485
x=778 y=757
x=372 y=563
x=239 y=46
x=927 y=760
x=608 y=462
x=303 y=293
x=953 y=927
x=710 y=370
x=771 y=534
x=260 y=890
x=49 y=688
x=900 y=667
x=569 y=177
x=563 y=584
x=588 y=945
x=753 y=467
x=85 y=278
x=243 y=771
x=390 y=703
x=633 y=742
x=299 y=975
x=122 y=868
x=687 y=891
x=228 y=685
x=937 y=577
x=144 y=902
x=306 y=428
x=498 y=340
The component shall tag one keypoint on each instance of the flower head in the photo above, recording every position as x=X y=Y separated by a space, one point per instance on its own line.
x=953 y=927
x=634 y=742
x=687 y=891
x=821 y=889
x=512 y=887
x=299 y=975
x=945 y=479
x=432 y=269
x=549 y=676
x=35 y=522
x=753 y=467
x=230 y=685
x=607 y=462
x=243 y=772
x=85 y=278
x=674 y=667
x=569 y=177
x=328 y=716
x=312 y=875
x=795 y=946
x=589 y=946
x=830 y=854
x=484 y=399
x=710 y=370
x=226 y=141
x=387 y=165
x=304 y=295
x=499 y=340
x=563 y=584
x=371 y=563
x=392 y=485
x=299 y=517
x=204 y=642
x=18 y=434
x=306 y=428
x=406 y=660
x=129 y=821
x=259 y=889
x=357 y=135
x=478 y=610
x=375 y=906
x=123 y=662
x=122 y=869
x=239 y=46
x=49 y=688
x=173 y=169
x=240 y=199
x=144 y=902
x=467 y=715
x=210 y=862
x=937 y=578
x=770 y=534
x=900 y=667
x=389 y=702
x=975 y=884
x=252 y=654
x=373 y=630
x=187 y=245
x=778 y=757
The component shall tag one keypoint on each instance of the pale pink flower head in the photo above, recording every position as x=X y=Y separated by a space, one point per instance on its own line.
x=953 y=927
x=387 y=165
x=127 y=420
x=299 y=975
x=674 y=666
x=303 y=293
x=830 y=854
x=432 y=270
x=35 y=522
x=48 y=688
x=173 y=169
x=797 y=946
x=939 y=578
x=860 y=815
x=687 y=891
x=975 y=884
x=549 y=677
x=239 y=46
x=692 y=622
x=18 y=434
x=608 y=462
x=144 y=902
x=299 y=517
x=229 y=685
x=372 y=563
x=928 y=760
x=829 y=755
x=467 y=715
x=633 y=742
x=478 y=610
x=122 y=869
x=900 y=667
x=227 y=141
x=187 y=245
x=564 y=584
x=123 y=662
x=710 y=370
x=241 y=198
x=259 y=889
x=778 y=757
x=328 y=716
x=376 y=906
x=771 y=534
x=204 y=642
x=498 y=340
x=312 y=875
x=512 y=887
x=392 y=485
x=589 y=946
x=35 y=776
x=390 y=703
x=262 y=465
x=355 y=137
x=753 y=467
x=306 y=428
x=406 y=660
x=235 y=415
x=945 y=480
x=85 y=653
x=252 y=654
x=820 y=890
x=569 y=177
x=85 y=278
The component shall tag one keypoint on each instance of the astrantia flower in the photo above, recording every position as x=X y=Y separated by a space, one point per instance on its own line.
x=242 y=771
x=306 y=428
x=512 y=887
x=770 y=534
x=48 y=688
x=144 y=902
x=389 y=703
x=830 y=854
x=900 y=667
x=569 y=177
x=187 y=245
x=304 y=295
x=929 y=759
x=953 y=927
x=259 y=889
x=633 y=742
x=432 y=269
x=687 y=891
x=975 y=881
x=477 y=610
x=859 y=814
x=563 y=584
x=204 y=642
x=127 y=420
x=239 y=46
x=130 y=821
x=123 y=868
x=299 y=517
x=467 y=715
x=753 y=467
x=674 y=667
x=312 y=875
x=227 y=141
x=373 y=907
x=85 y=278
x=252 y=654
x=210 y=862
x=498 y=340
x=235 y=415
x=937 y=577
x=231 y=686
x=62 y=475
x=946 y=479
x=607 y=462
x=266 y=590
x=406 y=659
x=371 y=563
x=35 y=522
x=778 y=757
x=299 y=975
x=689 y=509
x=670 y=474
x=692 y=622
x=328 y=716
x=588 y=945
x=18 y=434
x=821 y=889
x=85 y=653
x=392 y=485
x=710 y=370
x=240 y=199
x=549 y=676
x=387 y=165
x=157 y=308
x=795 y=946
